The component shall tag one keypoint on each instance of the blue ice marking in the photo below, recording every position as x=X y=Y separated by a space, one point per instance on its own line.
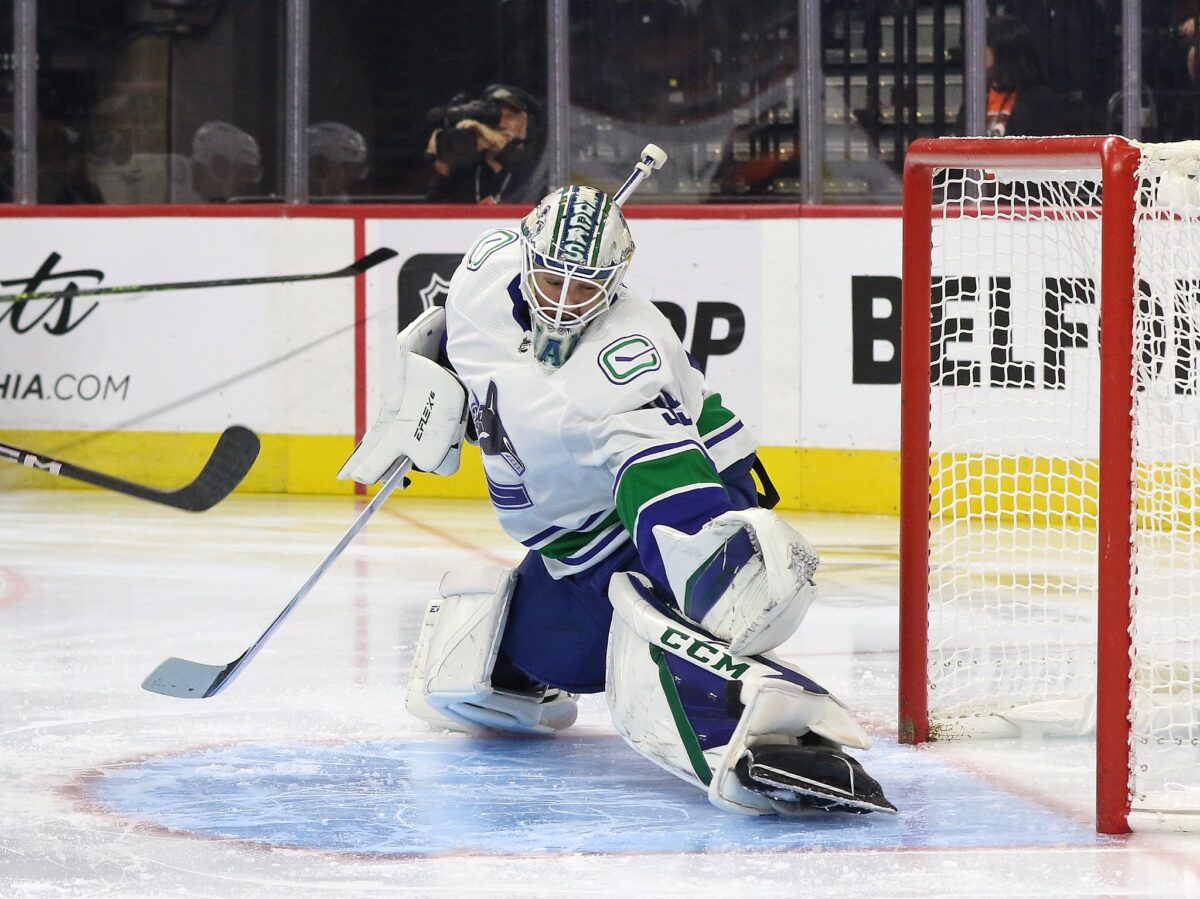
x=568 y=794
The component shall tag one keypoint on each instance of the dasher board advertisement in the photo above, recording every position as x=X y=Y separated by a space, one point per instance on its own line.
x=277 y=358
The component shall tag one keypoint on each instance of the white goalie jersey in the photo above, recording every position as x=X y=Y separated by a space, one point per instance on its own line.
x=623 y=437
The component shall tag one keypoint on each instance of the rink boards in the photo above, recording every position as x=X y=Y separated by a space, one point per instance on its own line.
x=793 y=311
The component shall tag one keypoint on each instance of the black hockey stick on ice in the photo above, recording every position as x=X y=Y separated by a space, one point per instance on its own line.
x=232 y=457
x=195 y=680
x=383 y=254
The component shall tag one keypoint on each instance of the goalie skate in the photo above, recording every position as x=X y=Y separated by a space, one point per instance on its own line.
x=811 y=777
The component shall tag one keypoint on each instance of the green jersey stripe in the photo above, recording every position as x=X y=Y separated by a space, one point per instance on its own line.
x=714 y=415
x=644 y=481
x=571 y=543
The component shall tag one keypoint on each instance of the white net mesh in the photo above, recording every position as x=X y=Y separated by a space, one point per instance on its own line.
x=1014 y=436
x=1166 y=608
x=1014 y=406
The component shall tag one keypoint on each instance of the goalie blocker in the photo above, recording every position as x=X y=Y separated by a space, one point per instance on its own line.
x=424 y=412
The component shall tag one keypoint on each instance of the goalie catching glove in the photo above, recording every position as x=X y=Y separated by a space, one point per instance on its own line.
x=746 y=576
x=424 y=412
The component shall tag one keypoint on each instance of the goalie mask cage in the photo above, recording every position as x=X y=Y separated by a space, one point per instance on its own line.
x=1049 y=478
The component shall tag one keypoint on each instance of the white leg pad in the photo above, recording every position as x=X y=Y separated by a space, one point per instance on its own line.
x=451 y=683
x=779 y=703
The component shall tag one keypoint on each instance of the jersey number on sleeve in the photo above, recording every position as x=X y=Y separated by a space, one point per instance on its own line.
x=675 y=414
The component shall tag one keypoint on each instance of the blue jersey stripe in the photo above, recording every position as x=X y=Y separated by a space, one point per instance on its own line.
x=717 y=436
x=596 y=547
x=551 y=534
x=665 y=449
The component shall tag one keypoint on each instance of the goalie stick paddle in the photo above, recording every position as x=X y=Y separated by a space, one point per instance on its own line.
x=234 y=454
x=195 y=680
x=383 y=254
x=653 y=157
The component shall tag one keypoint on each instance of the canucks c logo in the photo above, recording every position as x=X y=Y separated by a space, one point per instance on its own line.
x=628 y=357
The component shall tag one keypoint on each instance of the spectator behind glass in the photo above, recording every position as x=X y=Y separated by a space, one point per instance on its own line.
x=62 y=167
x=506 y=164
x=1019 y=100
x=226 y=164
x=1187 y=31
x=337 y=158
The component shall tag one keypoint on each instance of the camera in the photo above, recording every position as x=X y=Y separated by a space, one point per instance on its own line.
x=462 y=107
x=457 y=147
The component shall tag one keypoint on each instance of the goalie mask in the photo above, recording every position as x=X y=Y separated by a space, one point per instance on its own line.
x=575 y=250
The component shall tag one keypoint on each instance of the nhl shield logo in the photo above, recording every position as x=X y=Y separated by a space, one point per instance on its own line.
x=423 y=282
x=435 y=292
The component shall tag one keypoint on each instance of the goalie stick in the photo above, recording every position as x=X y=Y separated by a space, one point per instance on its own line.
x=235 y=452
x=383 y=254
x=195 y=680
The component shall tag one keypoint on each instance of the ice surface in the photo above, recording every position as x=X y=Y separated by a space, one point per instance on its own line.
x=307 y=778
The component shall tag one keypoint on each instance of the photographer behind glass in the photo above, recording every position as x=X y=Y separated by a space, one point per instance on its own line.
x=487 y=150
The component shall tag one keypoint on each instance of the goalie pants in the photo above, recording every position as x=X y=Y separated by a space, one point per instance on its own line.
x=557 y=630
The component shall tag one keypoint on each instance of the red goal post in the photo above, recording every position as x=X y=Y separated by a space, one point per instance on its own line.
x=1049 y=478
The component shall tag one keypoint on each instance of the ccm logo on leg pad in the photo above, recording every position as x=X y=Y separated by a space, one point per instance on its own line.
x=705 y=653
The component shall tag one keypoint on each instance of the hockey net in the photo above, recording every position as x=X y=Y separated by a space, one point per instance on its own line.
x=1051 y=479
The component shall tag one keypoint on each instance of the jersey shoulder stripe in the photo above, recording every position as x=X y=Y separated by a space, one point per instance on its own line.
x=650 y=475
x=713 y=415
x=716 y=436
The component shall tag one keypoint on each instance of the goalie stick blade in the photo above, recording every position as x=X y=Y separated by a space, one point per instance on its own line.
x=187 y=680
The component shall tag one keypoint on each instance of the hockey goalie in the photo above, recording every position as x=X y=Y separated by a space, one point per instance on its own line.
x=652 y=574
